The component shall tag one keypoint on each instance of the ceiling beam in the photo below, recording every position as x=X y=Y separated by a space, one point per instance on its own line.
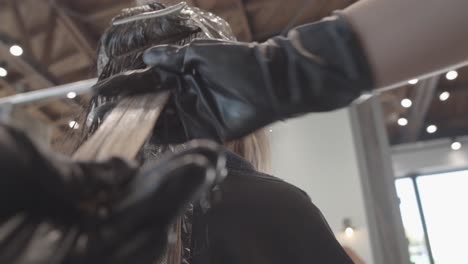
x=107 y=12
x=81 y=40
x=7 y=88
x=423 y=95
x=69 y=64
x=42 y=78
x=25 y=37
x=78 y=75
x=26 y=67
x=48 y=44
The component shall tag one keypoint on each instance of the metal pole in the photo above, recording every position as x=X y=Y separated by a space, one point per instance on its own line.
x=5 y=111
x=386 y=231
x=423 y=220
x=59 y=91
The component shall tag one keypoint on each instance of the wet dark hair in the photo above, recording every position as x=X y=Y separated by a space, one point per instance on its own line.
x=122 y=46
x=121 y=49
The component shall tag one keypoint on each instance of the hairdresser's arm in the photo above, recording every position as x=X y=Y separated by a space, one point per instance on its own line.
x=225 y=90
x=405 y=39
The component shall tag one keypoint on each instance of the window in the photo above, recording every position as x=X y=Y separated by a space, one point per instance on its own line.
x=412 y=222
x=436 y=224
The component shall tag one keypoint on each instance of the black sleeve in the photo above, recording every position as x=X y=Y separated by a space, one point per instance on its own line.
x=303 y=233
x=294 y=226
x=265 y=220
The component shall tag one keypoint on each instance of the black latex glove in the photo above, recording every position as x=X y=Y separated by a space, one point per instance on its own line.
x=54 y=210
x=35 y=179
x=225 y=90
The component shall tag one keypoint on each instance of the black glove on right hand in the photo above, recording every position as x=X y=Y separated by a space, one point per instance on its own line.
x=225 y=90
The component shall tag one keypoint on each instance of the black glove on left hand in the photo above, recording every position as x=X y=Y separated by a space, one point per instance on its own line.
x=54 y=210
x=35 y=179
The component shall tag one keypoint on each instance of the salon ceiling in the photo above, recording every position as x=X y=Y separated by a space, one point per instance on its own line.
x=59 y=39
x=437 y=101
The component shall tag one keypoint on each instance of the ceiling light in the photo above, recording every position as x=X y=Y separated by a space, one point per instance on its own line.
x=456 y=145
x=348 y=227
x=431 y=129
x=413 y=81
x=451 y=75
x=349 y=231
x=71 y=95
x=406 y=103
x=3 y=72
x=16 y=50
x=73 y=124
x=402 y=121
x=444 y=96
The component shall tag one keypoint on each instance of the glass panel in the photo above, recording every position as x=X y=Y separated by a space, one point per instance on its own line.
x=445 y=204
x=412 y=221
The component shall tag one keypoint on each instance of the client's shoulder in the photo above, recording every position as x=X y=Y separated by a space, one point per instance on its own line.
x=246 y=187
x=249 y=188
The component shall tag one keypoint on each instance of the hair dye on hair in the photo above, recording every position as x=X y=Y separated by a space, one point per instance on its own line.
x=121 y=49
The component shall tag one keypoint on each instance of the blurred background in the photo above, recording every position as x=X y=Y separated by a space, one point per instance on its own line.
x=390 y=173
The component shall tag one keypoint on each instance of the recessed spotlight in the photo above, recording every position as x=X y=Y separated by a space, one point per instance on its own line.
x=16 y=50
x=444 y=96
x=406 y=103
x=73 y=124
x=402 y=121
x=71 y=95
x=413 y=81
x=456 y=145
x=451 y=75
x=349 y=231
x=3 y=72
x=431 y=129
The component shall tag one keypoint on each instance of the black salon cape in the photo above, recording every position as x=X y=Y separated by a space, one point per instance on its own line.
x=255 y=218
x=260 y=219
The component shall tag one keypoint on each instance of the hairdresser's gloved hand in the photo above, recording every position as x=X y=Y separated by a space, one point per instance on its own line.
x=106 y=212
x=136 y=229
x=225 y=90
x=35 y=179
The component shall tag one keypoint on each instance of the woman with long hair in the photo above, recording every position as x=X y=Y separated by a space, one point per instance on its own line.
x=251 y=217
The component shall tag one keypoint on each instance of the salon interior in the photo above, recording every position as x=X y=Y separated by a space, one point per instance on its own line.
x=389 y=173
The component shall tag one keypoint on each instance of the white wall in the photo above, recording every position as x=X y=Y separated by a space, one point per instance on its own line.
x=317 y=154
